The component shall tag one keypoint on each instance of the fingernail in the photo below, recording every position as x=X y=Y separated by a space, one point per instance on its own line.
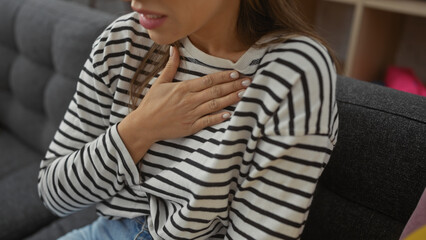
x=246 y=83
x=226 y=115
x=240 y=94
x=234 y=75
x=171 y=51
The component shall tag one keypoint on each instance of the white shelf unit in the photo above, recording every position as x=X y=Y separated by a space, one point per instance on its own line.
x=374 y=32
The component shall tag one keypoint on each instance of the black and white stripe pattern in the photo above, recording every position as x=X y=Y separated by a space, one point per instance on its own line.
x=251 y=177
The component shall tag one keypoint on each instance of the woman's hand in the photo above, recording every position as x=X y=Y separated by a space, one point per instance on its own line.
x=172 y=110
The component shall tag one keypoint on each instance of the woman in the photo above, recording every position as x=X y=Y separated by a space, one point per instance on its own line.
x=222 y=135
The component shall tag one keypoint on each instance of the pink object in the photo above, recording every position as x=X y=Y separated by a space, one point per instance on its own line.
x=404 y=79
x=417 y=219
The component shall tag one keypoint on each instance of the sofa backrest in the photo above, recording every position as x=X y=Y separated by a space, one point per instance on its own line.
x=377 y=171
x=43 y=46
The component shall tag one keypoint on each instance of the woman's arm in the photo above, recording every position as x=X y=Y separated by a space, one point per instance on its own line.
x=86 y=162
x=273 y=201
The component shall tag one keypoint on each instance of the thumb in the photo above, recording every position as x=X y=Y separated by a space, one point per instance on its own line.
x=171 y=67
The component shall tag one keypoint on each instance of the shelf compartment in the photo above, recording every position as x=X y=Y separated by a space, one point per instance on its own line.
x=376 y=44
x=408 y=7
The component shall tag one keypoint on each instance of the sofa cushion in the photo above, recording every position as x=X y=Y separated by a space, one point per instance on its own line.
x=42 y=56
x=20 y=203
x=335 y=217
x=8 y=12
x=41 y=70
x=30 y=127
x=8 y=57
x=378 y=163
x=28 y=86
x=64 y=225
x=14 y=154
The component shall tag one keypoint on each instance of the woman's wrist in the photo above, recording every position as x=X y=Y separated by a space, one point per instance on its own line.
x=136 y=142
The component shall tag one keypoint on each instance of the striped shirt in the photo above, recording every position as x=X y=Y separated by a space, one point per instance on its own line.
x=250 y=177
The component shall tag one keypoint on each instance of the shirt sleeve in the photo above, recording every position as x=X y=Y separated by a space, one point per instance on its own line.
x=86 y=162
x=273 y=201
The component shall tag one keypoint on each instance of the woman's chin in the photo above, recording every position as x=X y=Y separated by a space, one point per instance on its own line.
x=161 y=38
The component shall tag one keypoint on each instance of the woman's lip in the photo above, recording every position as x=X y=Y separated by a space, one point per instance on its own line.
x=151 y=21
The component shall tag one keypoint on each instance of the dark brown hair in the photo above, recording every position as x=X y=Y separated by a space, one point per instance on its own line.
x=256 y=18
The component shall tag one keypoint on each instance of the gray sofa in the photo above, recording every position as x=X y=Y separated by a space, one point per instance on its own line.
x=43 y=45
x=368 y=191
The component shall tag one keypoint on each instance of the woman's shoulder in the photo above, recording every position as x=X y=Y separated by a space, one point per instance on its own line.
x=299 y=75
x=125 y=26
x=119 y=48
x=296 y=64
x=122 y=35
x=300 y=52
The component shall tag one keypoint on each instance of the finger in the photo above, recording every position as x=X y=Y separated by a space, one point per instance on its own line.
x=218 y=104
x=210 y=120
x=171 y=67
x=199 y=84
x=221 y=90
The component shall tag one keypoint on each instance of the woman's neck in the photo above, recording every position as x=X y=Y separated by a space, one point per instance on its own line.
x=219 y=37
x=230 y=48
